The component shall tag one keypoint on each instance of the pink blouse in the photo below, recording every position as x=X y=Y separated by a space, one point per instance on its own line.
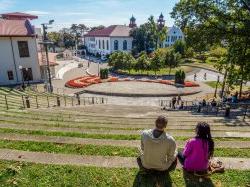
x=196 y=155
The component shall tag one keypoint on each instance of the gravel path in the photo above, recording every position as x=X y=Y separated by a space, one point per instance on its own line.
x=115 y=132
x=123 y=143
x=98 y=161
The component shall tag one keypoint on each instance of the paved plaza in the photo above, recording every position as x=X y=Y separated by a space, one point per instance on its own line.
x=134 y=88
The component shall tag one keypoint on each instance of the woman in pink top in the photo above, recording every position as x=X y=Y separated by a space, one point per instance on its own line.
x=198 y=150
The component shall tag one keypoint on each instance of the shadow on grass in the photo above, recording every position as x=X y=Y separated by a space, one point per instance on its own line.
x=164 y=180
x=194 y=181
x=152 y=180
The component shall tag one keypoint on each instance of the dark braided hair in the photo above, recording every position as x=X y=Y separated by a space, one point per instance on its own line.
x=204 y=133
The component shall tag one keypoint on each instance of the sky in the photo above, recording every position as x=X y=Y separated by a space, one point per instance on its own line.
x=90 y=12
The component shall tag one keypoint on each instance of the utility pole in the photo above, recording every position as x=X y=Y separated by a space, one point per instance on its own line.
x=45 y=43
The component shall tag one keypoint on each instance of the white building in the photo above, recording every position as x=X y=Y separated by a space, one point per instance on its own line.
x=18 y=50
x=174 y=34
x=108 y=40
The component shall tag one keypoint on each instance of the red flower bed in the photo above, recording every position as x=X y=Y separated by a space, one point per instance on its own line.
x=82 y=82
x=113 y=79
x=191 y=84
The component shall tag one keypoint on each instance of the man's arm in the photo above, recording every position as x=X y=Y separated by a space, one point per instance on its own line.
x=142 y=144
x=172 y=153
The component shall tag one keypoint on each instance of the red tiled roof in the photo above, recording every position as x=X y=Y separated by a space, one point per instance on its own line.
x=113 y=30
x=18 y=15
x=16 y=28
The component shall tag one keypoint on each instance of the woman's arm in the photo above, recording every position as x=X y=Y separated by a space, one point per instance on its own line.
x=187 y=149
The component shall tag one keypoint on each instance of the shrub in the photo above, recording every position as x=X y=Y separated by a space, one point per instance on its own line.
x=104 y=73
x=180 y=77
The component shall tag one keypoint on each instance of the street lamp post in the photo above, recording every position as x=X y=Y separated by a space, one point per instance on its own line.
x=46 y=42
x=21 y=70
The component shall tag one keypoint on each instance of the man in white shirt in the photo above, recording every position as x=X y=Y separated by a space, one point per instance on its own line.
x=158 y=149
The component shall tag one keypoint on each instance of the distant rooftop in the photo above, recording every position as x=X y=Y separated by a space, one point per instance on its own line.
x=113 y=30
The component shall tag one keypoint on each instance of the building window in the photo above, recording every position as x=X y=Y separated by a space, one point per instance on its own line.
x=27 y=74
x=23 y=49
x=99 y=44
x=116 y=45
x=107 y=45
x=10 y=75
x=103 y=44
x=125 y=45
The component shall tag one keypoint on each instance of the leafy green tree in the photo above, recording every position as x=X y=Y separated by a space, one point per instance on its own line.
x=172 y=60
x=55 y=37
x=97 y=28
x=67 y=37
x=156 y=63
x=141 y=62
x=147 y=37
x=223 y=23
x=180 y=47
x=189 y=53
x=162 y=35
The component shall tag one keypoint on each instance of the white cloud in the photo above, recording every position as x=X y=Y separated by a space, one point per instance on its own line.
x=5 y=4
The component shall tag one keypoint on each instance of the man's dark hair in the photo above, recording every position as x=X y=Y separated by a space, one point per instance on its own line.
x=161 y=122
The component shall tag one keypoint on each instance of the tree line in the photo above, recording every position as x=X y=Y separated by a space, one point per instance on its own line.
x=70 y=37
x=161 y=58
x=221 y=23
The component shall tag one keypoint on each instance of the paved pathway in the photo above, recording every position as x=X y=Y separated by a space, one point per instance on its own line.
x=67 y=67
x=211 y=76
x=116 y=132
x=98 y=161
x=123 y=143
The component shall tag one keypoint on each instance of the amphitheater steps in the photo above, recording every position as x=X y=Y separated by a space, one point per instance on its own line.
x=119 y=132
x=98 y=161
x=122 y=143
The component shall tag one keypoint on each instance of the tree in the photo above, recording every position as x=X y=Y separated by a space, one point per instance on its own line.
x=141 y=63
x=156 y=62
x=180 y=47
x=220 y=22
x=97 y=28
x=55 y=37
x=147 y=37
x=172 y=60
x=67 y=37
x=162 y=35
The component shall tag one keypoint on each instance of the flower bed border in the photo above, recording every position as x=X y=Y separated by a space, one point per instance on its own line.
x=83 y=82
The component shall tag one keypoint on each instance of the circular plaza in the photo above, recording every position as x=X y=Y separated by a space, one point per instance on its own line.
x=139 y=89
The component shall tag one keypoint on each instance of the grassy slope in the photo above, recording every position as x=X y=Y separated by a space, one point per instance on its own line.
x=103 y=136
x=22 y=174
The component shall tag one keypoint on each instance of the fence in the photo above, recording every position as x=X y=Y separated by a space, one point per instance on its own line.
x=46 y=101
x=222 y=109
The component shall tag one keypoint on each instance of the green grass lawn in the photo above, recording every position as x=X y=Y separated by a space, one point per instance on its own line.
x=104 y=136
x=27 y=174
x=236 y=88
x=101 y=150
x=213 y=84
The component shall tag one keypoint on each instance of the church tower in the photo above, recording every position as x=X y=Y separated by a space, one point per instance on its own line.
x=161 y=21
x=132 y=23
